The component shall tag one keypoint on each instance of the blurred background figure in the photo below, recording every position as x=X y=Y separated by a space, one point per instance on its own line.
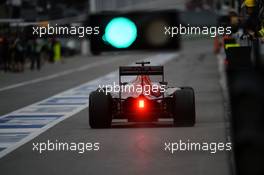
x=19 y=56
x=56 y=48
x=1 y=53
x=251 y=24
x=34 y=50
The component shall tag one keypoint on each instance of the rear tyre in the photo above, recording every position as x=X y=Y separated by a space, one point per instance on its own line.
x=100 y=110
x=184 y=107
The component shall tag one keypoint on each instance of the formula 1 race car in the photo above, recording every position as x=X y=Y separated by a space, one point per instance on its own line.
x=141 y=100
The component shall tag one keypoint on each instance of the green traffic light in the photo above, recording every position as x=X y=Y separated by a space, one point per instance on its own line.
x=120 y=32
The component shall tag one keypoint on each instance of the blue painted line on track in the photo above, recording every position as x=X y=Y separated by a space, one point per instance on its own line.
x=12 y=137
x=62 y=104
x=20 y=126
x=33 y=116
x=64 y=100
x=43 y=109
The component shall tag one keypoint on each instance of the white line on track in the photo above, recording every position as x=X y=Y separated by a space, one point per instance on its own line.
x=59 y=74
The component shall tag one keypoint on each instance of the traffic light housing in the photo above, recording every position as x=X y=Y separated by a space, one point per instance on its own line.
x=139 y=30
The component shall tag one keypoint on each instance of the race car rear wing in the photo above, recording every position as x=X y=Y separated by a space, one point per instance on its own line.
x=140 y=70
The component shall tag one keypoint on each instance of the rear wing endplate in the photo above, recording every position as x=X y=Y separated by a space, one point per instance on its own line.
x=140 y=70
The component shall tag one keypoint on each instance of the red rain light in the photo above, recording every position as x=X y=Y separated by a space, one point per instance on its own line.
x=141 y=104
